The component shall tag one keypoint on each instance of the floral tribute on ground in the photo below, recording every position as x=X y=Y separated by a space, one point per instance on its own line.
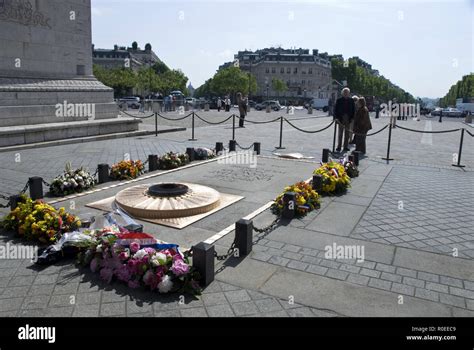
x=127 y=170
x=335 y=178
x=138 y=260
x=307 y=199
x=172 y=160
x=38 y=221
x=71 y=181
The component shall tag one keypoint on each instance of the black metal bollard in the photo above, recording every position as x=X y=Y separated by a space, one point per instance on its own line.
x=232 y=145
x=325 y=155
x=289 y=209
x=190 y=153
x=152 y=162
x=15 y=201
x=281 y=134
x=317 y=183
x=351 y=158
x=256 y=147
x=243 y=237
x=36 y=187
x=103 y=173
x=219 y=147
x=387 y=158
x=334 y=137
x=356 y=155
x=458 y=164
x=203 y=262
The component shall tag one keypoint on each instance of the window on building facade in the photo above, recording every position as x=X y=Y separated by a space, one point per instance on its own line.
x=288 y=70
x=309 y=82
x=273 y=70
x=267 y=70
x=303 y=72
x=310 y=70
x=303 y=82
x=295 y=71
x=282 y=70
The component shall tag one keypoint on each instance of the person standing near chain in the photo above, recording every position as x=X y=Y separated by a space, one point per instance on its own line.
x=242 y=104
x=362 y=125
x=343 y=114
x=219 y=104
x=352 y=138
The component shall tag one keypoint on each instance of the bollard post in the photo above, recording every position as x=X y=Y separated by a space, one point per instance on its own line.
x=334 y=137
x=281 y=134
x=289 y=209
x=232 y=145
x=325 y=155
x=460 y=151
x=152 y=162
x=203 y=262
x=219 y=147
x=103 y=173
x=156 y=124
x=388 y=145
x=15 y=201
x=243 y=237
x=256 y=147
x=192 y=127
x=190 y=153
x=351 y=158
x=36 y=187
x=233 y=126
x=317 y=183
x=356 y=155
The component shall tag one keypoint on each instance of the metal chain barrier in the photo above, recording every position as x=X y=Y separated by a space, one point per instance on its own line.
x=255 y=122
x=46 y=183
x=307 y=131
x=243 y=148
x=213 y=123
x=472 y=135
x=23 y=191
x=359 y=134
x=138 y=117
x=174 y=119
x=427 y=132
x=266 y=230
x=230 y=251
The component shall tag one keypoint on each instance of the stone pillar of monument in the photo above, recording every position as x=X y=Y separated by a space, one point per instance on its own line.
x=47 y=88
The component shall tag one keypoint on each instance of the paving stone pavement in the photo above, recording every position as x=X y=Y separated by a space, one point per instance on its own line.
x=427 y=210
x=65 y=290
x=403 y=281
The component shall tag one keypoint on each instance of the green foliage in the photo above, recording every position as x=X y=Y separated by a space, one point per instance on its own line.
x=146 y=80
x=228 y=81
x=464 y=88
x=363 y=82
x=160 y=67
x=279 y=85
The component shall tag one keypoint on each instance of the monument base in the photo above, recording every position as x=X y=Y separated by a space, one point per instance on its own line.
x=39 y=110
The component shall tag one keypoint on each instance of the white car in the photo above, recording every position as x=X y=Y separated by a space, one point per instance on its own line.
x=132 y=102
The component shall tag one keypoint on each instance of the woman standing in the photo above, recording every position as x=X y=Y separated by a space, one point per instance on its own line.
x=362 y=125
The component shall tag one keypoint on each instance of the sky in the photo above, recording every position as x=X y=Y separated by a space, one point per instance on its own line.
x=423 y=46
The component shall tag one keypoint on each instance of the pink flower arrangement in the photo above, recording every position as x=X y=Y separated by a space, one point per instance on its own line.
x=162 y=270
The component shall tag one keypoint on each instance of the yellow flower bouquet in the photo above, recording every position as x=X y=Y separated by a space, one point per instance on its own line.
x=307 y=199
x=127 y=170
x=38 y=221
x=335 y=178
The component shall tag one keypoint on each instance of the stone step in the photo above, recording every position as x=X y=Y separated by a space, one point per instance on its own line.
x=20 y=135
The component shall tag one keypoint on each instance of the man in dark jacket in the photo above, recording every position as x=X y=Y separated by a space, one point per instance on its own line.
x=344 y=114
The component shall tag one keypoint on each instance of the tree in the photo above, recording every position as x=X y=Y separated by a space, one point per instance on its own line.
x=464 y=88
x=230 y=80
x=160 y=67
x=279 y=85
x=122 y=80
x=134 y=46
x=173 y=80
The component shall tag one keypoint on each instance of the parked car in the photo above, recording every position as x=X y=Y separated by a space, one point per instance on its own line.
x=252 y=104
x=275 y=105
x=452 y=112
x=190 y=101
x=436 y=112
x=318 y=103
x=132 y=102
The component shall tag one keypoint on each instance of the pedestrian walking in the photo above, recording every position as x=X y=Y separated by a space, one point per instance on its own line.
x=343 y=114
x=362 y=125
x=219 y=104
x=352 y=140
x=227 y=104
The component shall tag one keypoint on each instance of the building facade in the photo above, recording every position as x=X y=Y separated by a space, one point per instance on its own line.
x=124 y=57
x=306 y=75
